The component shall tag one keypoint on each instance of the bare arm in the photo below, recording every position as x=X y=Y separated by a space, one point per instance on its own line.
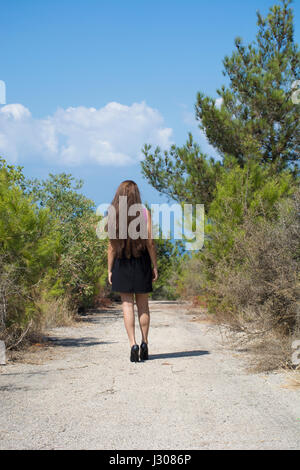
x=151 y=246
x=110 y=260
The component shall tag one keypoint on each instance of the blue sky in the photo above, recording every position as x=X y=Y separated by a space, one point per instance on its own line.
x=88 y=82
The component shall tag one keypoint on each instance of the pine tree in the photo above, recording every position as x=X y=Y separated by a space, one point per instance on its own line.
x=257 y=121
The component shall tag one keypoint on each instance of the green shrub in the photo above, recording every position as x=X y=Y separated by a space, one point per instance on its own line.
x=29 y=246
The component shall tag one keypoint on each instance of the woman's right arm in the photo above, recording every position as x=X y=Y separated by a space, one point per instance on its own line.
x=151 y=246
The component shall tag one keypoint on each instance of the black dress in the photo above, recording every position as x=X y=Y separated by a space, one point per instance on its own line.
x=132 y=275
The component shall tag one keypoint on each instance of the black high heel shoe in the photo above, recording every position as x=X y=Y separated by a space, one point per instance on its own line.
x=134 y=354
x=144 y=355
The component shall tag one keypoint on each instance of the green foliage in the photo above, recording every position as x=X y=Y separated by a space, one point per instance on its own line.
x=168 y=262
x=12 y=173
x=183 y=173
x=49 y=252
x=29 y=245
x=258 y=119
x=240 y=193
x=82 y=254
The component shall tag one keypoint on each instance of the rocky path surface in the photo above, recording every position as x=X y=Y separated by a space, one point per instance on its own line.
x=82 y=392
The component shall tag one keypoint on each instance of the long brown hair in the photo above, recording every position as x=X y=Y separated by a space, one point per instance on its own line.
x=127 y=247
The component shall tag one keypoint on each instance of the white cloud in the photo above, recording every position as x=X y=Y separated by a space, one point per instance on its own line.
x=15 y=111
x=219 y=102
x=112 y=135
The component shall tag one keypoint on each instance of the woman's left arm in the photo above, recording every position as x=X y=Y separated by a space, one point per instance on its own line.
x=110 y=260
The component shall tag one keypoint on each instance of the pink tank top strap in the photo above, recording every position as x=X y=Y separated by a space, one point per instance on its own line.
x=145 y=214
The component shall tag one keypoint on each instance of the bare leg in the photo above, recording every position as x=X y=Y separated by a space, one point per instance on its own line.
x=128 y=313
x=144 y=315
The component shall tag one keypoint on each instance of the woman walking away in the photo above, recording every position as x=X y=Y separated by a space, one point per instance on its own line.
x=131 y=251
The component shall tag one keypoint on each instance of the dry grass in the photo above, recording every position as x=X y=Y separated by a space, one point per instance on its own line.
x=252 y=292
x=258 y=287
x=54 y=312
x=49 y=313
x=270 y=354
x=199 y=313
x=102 y=301
x=293 y=380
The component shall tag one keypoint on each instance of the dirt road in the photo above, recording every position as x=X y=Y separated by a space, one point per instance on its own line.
x=194 y=393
